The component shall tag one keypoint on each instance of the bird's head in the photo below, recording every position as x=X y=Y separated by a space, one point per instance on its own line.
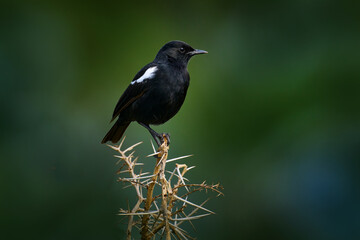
x=177 y=52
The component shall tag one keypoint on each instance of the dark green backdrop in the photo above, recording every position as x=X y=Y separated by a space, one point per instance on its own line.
x=272 y=113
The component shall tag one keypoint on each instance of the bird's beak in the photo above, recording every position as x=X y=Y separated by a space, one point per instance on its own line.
x=197 y=51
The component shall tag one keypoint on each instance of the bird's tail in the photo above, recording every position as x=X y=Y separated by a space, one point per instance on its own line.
x=115 y=132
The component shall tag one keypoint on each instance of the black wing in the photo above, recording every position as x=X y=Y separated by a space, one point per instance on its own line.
x=132 y=93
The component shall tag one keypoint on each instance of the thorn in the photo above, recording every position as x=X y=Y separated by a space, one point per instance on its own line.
x=181 y=178
x=191 y=167
x=195 y=210
x=174 y=159
x=136 y=178
x=152 y=145
x=135 y=160
x=141 y=174
x=156 y=205
x=174 y=174
x=153 y=154
x=132 y=147
x=193 y=204
x=131 y=154
x=112 y=147
x=184 y=203
x=190 y=222
x=122 y=141
x=191 y=218
x=137 y=214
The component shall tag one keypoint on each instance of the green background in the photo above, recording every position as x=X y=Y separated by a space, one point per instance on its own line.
x=272 y=113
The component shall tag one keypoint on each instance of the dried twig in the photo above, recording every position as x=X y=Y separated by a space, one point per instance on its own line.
x=155 y=220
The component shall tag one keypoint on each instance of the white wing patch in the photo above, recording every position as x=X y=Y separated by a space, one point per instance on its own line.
x=150 y=73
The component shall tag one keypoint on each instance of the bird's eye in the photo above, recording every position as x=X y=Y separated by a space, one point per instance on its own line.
x=182 y=50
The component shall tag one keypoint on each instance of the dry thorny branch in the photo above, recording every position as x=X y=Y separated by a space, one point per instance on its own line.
x=160 y=215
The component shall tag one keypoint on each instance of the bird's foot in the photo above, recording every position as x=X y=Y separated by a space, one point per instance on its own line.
x=161 y=138
x=167 y=137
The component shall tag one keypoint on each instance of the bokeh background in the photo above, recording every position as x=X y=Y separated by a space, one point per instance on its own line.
x=272 y=113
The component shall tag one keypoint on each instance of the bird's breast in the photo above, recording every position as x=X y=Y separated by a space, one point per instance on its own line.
x=163 y=99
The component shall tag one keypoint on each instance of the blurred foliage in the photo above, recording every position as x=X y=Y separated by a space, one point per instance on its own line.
x=273 y=111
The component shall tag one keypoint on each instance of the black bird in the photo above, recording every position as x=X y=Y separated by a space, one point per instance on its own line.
x=156 y=93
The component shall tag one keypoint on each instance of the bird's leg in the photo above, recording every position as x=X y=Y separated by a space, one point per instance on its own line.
x=159 y=138
x=154 y=134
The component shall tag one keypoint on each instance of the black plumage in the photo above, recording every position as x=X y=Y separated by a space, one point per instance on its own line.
x=156 y=93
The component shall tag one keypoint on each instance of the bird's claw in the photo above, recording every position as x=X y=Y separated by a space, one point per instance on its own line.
x=167 y=136
x=161 y=139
